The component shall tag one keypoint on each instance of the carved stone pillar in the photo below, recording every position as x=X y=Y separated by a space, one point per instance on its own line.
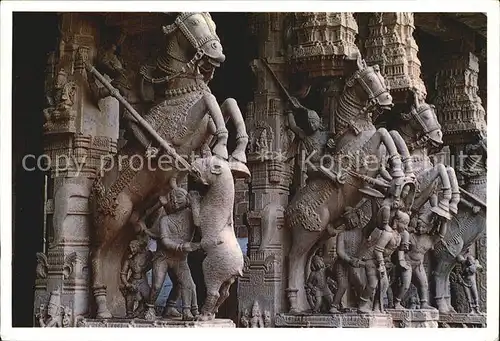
x=323 y=42
x=391 y=45
x=77 y=134
x=263 y=277
x=458 y=104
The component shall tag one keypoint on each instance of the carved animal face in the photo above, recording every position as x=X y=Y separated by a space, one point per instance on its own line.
x=195 y=32
x=208 y=169
x=370 y=84
x=423 y=121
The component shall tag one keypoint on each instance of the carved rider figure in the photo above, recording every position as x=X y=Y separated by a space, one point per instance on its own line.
x=470 y=266
x=319 y=292
x=135 y=287
x=174 y=243
x=422 y=239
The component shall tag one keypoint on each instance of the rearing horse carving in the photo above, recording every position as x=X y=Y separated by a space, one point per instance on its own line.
x=186 y=119
x=322 y=201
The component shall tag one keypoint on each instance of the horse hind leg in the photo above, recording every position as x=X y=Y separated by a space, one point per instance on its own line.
x=382 y=136
x=224 y=293
x=403 y=150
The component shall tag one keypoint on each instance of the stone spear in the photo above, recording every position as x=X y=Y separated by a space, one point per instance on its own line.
x=116 y=94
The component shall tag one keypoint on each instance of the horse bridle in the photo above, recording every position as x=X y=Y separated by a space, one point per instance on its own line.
x=185 y=25
x=360 y=75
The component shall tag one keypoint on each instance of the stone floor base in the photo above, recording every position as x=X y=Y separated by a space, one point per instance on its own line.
x=462 y=320
x=419 y=318
x=339 y=320
x=159 y=323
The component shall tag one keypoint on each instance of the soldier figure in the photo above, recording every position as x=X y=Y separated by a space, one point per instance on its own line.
x=345 y=264
x=317 y=286
x=470 y=267
x=135 y=287
x=421 y=241
x=174 y=243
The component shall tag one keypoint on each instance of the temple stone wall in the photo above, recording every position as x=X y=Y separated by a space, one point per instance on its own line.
x=312 y=48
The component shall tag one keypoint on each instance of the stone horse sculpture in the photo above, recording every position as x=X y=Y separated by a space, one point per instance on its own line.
x=322 y=201
x=185 y=121
x=465 y=228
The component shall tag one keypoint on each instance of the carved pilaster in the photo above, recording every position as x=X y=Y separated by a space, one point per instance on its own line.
x=323 y=41
x=391 y=45
x=263 y=276
x=458 y=104
x=78 y=135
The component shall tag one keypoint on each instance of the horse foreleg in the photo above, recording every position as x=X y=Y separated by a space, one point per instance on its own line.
x=230 y=109
x=443 y=206
x=382 y=136
x=221 y=132
x=455 y=191
x=99 y=289
x=403 y=150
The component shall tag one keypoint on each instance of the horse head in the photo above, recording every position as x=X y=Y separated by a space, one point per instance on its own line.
x=370 y=86
x=420 y=125
x=193 y=43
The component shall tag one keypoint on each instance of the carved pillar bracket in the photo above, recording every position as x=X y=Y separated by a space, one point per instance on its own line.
x=323 y=41
x=391 y=45
x=459 y=107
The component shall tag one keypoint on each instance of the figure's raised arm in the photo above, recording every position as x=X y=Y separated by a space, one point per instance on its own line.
x=294 y=127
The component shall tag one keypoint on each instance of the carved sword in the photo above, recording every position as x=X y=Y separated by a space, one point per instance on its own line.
x=116 y=94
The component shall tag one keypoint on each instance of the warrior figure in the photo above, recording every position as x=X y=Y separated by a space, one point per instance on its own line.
x=134 y=284
x=174 y=243
x=470 y=267
x=422 y=240
x=346 y=263
x=380 y=246
x=317 y=286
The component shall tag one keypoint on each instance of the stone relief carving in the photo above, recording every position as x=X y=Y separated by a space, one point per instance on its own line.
x=179 y=121
x=134 y=284
x=174 y=242
x=54 y=315
x=42 y=265
x=61 y=98
x=470 y=266
x=373 y=262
